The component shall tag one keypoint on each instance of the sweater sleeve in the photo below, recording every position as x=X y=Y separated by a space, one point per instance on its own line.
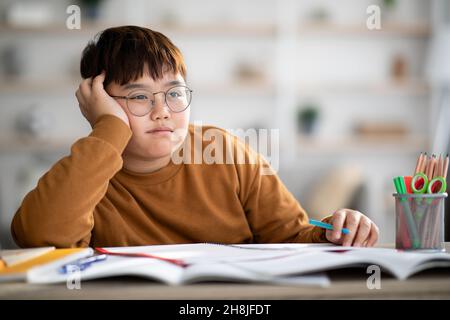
x=59 y=211
x=273 y=213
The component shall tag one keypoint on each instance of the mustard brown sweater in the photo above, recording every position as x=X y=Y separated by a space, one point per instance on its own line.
x=89 y=199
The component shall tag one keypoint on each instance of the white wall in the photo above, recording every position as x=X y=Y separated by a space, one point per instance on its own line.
x=346 y=72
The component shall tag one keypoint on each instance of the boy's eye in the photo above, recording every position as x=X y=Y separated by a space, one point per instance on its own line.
x=174 y=94
x=139 y=97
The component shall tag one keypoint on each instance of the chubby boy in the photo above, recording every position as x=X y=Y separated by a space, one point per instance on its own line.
x=120 y=185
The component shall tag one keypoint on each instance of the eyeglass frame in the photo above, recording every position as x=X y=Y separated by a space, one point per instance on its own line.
x=165 y=100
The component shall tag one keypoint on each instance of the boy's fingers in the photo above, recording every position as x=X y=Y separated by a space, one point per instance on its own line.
x=80 y=103
x=79 y=96
x=97 y=83
x=351 y=223
x=85 y=88
x=329 y=234
x=338 y=223
x=373 y=237
x=363 y=231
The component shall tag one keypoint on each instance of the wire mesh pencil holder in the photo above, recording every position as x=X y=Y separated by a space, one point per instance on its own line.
x=419 y=221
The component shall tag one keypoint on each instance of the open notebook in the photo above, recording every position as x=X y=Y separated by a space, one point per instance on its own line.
x=270 y=263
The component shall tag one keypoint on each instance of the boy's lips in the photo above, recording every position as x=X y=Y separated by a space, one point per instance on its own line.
x=160 y=129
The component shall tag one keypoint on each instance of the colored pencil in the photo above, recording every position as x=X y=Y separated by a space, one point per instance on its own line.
x=419 y=162
x=423 y=165
x=445 y=168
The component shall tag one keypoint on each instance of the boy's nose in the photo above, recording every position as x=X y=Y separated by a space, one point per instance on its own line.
x=160 y=109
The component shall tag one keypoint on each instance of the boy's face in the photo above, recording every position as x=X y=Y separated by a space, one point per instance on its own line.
x=144 y=144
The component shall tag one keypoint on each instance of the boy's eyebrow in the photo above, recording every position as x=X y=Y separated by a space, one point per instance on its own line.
x=144 y=86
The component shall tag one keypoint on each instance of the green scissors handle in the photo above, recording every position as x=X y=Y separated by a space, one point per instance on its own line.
x=419 y=183
x=437 y=185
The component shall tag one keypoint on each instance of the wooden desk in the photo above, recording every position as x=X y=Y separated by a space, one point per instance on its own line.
x=346 y=284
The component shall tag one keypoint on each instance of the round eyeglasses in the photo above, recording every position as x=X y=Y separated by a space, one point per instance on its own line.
x=140 y=103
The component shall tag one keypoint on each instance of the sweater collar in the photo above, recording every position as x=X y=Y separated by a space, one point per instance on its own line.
x=159 y=176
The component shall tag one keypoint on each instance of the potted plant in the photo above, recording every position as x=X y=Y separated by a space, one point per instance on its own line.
x=389 y=9
x=307 y=116
x=90 y=8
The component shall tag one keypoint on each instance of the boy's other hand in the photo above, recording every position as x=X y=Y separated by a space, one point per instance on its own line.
x=94 y=101
x=363 y=231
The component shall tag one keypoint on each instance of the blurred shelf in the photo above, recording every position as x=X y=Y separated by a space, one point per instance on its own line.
x=250 y=88
x=221 y=28
x=361 y=145
x=404 y=87
x=263 y=29
x=55 y=28
x=17 y=145
x=34 y=86
x=235 y=28
x=50 y=29
x=389 y=29
x=240 y=88
x=407 y=87
x=173 y=29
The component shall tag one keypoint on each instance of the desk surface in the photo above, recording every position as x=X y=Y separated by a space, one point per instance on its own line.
x=345 y=284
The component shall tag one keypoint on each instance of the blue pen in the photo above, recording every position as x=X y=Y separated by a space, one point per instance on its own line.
x=326 y=226
x=81 y=264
